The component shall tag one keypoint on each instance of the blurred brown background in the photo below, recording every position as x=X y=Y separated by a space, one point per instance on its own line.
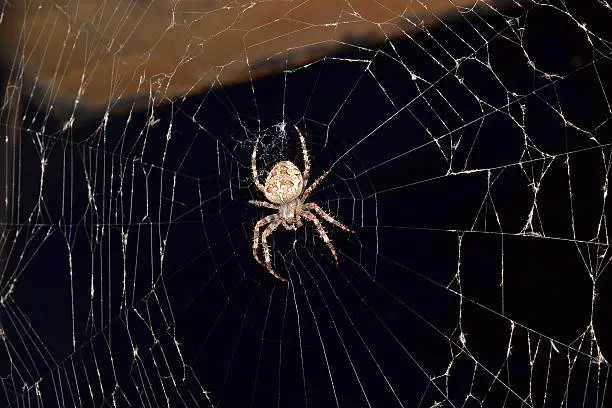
x=95 y=56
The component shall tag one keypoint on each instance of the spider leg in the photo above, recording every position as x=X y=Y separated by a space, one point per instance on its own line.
x=258 y=225
x=288 y=226
x=314 y=185
x=312 y=218
x=266 y=250
x=327 y=217
x=254 y=168
x=305 y=154
x=263 y=204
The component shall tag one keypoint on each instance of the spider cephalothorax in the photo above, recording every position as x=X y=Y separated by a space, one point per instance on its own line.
x=284 y=190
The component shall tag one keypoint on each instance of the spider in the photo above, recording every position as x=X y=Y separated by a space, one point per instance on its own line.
x=285 y=189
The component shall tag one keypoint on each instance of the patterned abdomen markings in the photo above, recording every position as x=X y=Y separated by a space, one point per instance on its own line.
x=284 y=183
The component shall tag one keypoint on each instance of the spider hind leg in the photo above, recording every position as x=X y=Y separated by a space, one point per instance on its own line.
x=306 y=159
x=263 y=204
x=254 y=172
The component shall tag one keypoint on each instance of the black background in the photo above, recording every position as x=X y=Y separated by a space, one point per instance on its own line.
x=395 y=294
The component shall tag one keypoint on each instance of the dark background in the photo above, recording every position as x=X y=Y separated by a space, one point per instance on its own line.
x=426 y=265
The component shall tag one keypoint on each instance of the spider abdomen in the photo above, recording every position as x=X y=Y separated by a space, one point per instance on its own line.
x=284 y=183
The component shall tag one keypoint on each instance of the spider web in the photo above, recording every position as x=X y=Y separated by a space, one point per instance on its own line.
x=472 y=158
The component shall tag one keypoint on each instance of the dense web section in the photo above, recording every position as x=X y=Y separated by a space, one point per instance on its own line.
x=472 y=158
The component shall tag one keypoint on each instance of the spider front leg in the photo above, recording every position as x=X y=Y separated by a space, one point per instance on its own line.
x=258 y=225
x=311 y=217
x=266 y=250
x=327 y=217
x=258 y=184
x=305 y=154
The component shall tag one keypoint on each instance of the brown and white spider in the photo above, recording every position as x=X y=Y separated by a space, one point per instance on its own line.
x=285 y=191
